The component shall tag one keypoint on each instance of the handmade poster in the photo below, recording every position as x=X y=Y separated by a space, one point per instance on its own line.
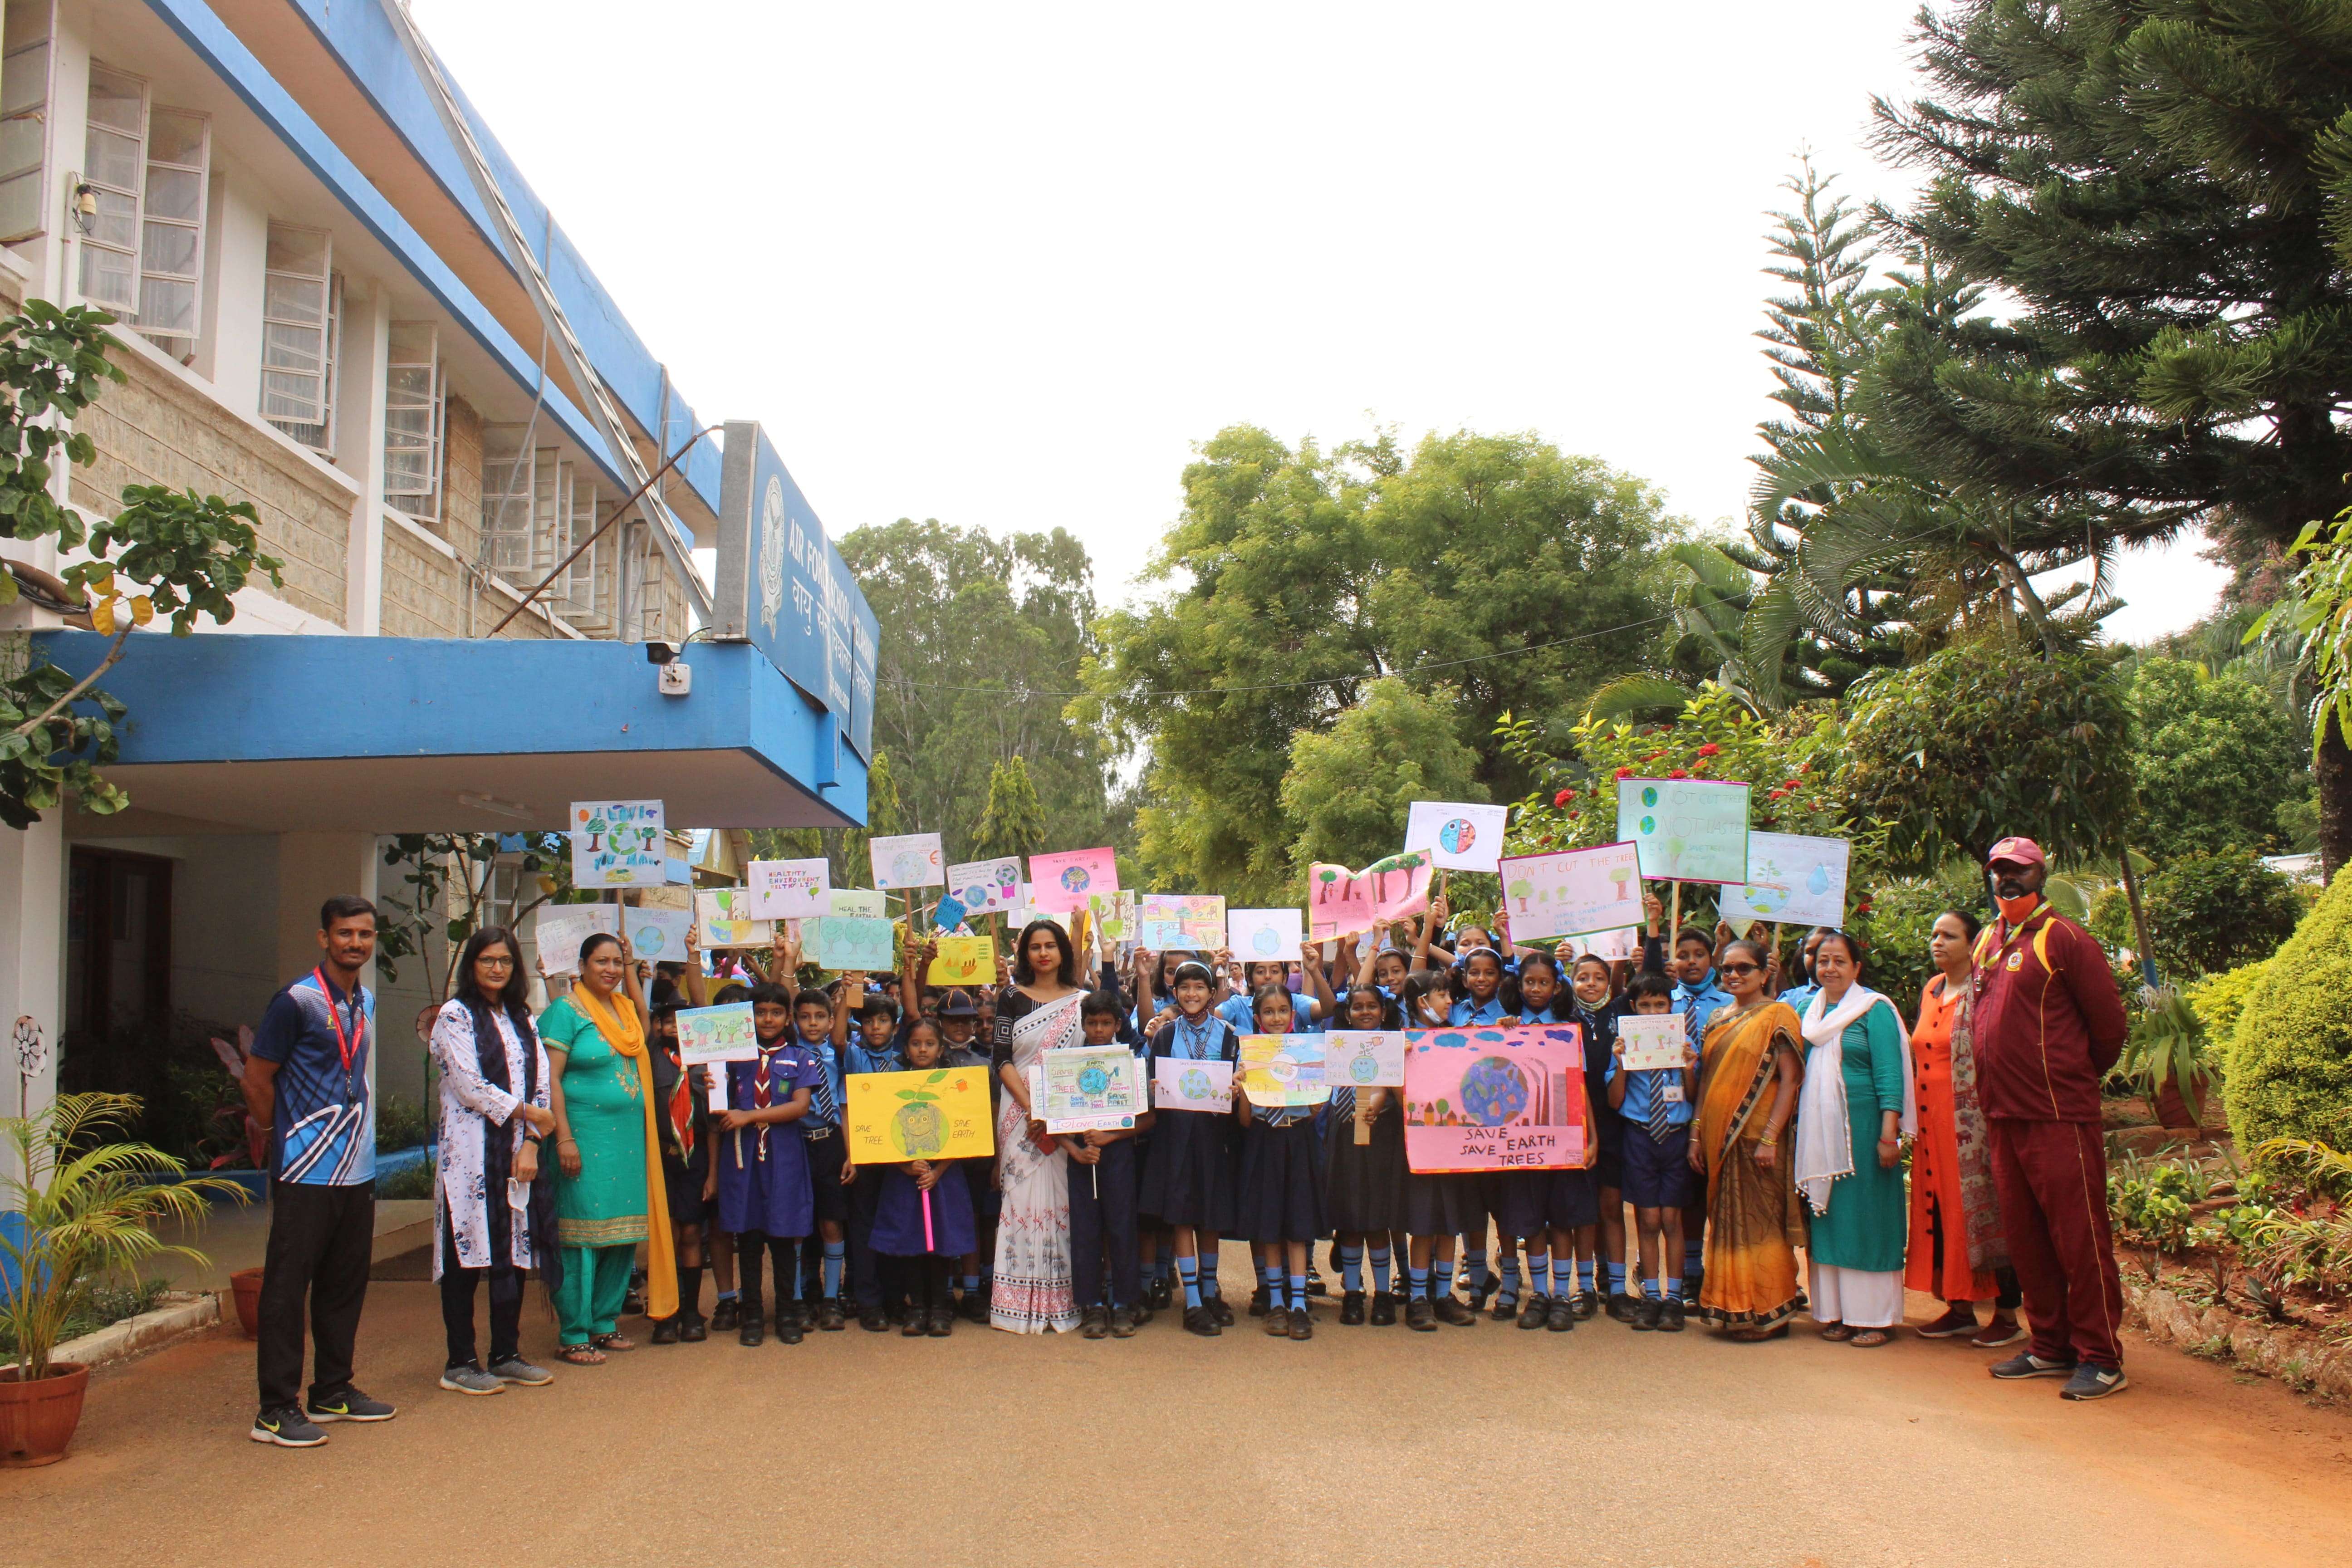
x=1460 y=837
x=658 y=936
x=790 y=889
x=861 y=902
x=1364 y=1058
x=707 y=1034
x=1791 y=878
x=942 y=1114
x=1180 y=1085
x=907 y=860
x=617 y=844
x=1496 y=1099
x=1688 y=830
x=1572 y=891
x=1284 y=1069
x=563 y=927
x=851 y=941
x=1611 y=945
x=725 y=916
x=1263 y=936
x=1061 y=883
x=1088 y=1088
x=1340 y=902
x=1181 y=920
x=1113 y=914
x=963 y=961
x=949 y=913
x=1025 y=914
x=1653 y=1040
x=984 y=887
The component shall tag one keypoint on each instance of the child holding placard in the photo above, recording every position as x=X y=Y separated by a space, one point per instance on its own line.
x=1438 y=1208
x=874 y=1048
x=765 y=1198
x=1554 y=1212
x=1103 y=1179
x=900 y=1231
x=682 y=1102
x=1188 y=1182
x=1281 y=1205
x=1364 y=1189
x=1657 y=1104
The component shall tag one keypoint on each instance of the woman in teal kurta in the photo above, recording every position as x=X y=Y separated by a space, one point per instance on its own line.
x=600 y=1194
x=1855 y=1111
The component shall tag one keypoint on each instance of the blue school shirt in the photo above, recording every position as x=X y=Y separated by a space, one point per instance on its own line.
x=826 y=1093
x=1487 y=1012
x=864 y=1057
x=1701 y=1001
x=1639 y=1086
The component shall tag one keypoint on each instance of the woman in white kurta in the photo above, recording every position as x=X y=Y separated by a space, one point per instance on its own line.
x=490 y=1207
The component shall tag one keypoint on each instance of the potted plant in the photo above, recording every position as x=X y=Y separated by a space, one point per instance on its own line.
x=89 y=1208
x=2165 y=1055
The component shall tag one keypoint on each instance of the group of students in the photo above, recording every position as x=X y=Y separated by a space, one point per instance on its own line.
x=1099 y=1232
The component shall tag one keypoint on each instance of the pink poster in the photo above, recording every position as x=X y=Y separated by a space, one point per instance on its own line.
x=1496 y=1100
x=1061 y=883
x=1340 y=902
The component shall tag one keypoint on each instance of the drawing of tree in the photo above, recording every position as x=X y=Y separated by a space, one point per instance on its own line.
x=1327 y=876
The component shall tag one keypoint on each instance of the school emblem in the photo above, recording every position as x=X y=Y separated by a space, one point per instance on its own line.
x=2017 y=960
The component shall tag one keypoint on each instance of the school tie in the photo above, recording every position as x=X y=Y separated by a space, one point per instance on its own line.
x=1659 y=1129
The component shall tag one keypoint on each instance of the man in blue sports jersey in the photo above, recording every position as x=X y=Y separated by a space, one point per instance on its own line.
x=307 y=1083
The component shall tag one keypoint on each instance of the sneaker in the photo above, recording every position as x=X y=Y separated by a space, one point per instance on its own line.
x=1122 y=1323
x=1646 y=1313
x=1384 y=1308
x=2091 y=1381
x=1621 y=1305
x=727 y=1314
x=2025 y=1364
x=514 y=1369
x=1278 y=1322
x=1670 y=1313
x=1420 y=1315
x=1538 y=1313
x=1586 y=1305
x=1451 y=1310
x=695 y=1330
x=470 y=1379
x=348 y=1404
x=1562 y=1317
x=286 y=1425
x=1302 y=1327
x=2002 y=1331
x=1257 y=1302
x=1095 y=1323
x=943 y=1322
x=1351 y=1309
x=1219 y=1313
x=1956 y=1321
x=1201 y=1322
x=665 y=1332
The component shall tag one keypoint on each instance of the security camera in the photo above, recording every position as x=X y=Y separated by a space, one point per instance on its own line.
x=660 y=652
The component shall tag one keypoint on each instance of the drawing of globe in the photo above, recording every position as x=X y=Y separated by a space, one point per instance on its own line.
x=650 y=942
x=1456 y=837
x=1364 y=1068
x=1262 y=940
x=1195 y=1084
x=1282 y=1069
x=920 y=1129
x=1650 y=794
x=1493 y=1092
x=1092 y=1079
x=907 y=867
x=973 y=898
x=1075 y=879
x=1649 y=825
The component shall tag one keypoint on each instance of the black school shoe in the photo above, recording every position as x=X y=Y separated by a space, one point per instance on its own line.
x=975 y=1306
x=1670 y=1316
x=1257 y=1302
x=1219 y=1313
x=1201 y=1322
x=1586 y=1305
x=1622 y=1307
x=872 y=1321
x=943 y=1322
x=752 y=1331
x=1420 y=1315
x=914 y=1327
x=788 y=1326
x=1646 y=1313
x=1302 y=1327
x=666 y=1331
x=1561 y=1317
x=1351 y=1309
x=829 y=1316
x=1506 y=1309
x=1122 y=1323
x=1093 y=1323
x=1538 y=1312
x=1163 y=1294
x=1451 y=1310
x=1278 y=1322
x=1315 y=1286
x=727 y=1314
x=1384 y=1308
x=694 y=1330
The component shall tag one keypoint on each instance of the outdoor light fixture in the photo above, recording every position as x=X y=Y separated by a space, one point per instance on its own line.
x=496 y=807
x=85 y=206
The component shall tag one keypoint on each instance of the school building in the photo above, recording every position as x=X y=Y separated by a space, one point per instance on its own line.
x=311 y=242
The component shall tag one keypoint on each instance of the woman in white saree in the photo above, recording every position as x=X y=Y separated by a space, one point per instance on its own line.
x=1036 y=1014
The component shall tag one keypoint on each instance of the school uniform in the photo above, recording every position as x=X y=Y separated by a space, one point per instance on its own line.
x=1531 y=1201
x=763 y=1172
x=1608 y=1127
x=1463 y=1204
x=1364 y=1183
x=899 y=1214
x=1280 y=1186
x=1104 y=1216
x=1657 y=1121
x=684 y=1127
x=828 y=1148
x=1189 y=1178
x=866 y=1283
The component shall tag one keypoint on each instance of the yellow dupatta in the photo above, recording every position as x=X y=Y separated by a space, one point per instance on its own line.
x=625 y=1034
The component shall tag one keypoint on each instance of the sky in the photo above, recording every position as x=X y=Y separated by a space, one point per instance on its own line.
x=1007 y=265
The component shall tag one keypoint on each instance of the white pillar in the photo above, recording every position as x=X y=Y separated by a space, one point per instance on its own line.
x=32 y=951
x=359 y=447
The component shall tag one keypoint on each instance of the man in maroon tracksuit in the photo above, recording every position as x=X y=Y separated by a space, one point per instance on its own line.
x=2048 y=1023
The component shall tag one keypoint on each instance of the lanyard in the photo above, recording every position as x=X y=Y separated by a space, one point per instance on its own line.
x=2000 y=954
x=348 y=1049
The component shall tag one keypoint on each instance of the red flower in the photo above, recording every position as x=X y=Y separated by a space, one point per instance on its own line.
x=1678 y=773
x=1563 y=797
x=1710 y=748
x=1624 y=773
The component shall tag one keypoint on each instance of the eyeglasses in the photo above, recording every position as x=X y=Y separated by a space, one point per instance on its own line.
x=1740 y=968
x=495 y=961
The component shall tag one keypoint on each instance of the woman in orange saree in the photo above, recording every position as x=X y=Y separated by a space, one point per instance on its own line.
x=1748 y=1077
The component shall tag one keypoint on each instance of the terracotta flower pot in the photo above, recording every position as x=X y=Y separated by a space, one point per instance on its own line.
x=38 y=1419
x=247 y=1284
x=2174 y=1109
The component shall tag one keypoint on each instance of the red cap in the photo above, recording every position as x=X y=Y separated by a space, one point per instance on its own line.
x=2017 y=852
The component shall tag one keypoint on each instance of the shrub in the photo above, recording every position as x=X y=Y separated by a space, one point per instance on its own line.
x=2290 y=1058
x=402 y=1123
x=2207 y=912
x=1893 y=919
x=2219 y=998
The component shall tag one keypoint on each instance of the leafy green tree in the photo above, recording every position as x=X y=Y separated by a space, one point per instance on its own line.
x=2157 y=191
x=1014 y=822
x=1350 y=788
x=852 y=866
x=2214 y=759
x=1985 y=740
x=2206 y=912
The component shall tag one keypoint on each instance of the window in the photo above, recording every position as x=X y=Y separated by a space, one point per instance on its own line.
x=25 y=57
x=650 y=592
x=411 y=419
x=144 y=256
x=301 y=309
x=588 y=586
x=550 y=514
x=509 y=480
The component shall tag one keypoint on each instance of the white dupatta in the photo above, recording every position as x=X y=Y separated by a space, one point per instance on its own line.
x=1824 y=1128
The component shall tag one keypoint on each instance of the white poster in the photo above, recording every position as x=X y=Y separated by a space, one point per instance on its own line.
x=561 y=929
x=1572 y=892
x=855 y=904
x=1180 y=1085
x=618 y=844
x=1653 y=1040
x=1790 y=877
x=790 y=889
x=907 y=860
x=725 y=916
x=1366 y=1058
x=1266 y=936
x=658 y=936
x=1459 y=838
x=984 y=887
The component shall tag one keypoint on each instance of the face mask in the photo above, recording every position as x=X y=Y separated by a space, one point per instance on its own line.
x=2015 y=911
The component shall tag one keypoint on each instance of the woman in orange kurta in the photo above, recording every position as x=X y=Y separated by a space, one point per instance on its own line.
x=1956 y=1250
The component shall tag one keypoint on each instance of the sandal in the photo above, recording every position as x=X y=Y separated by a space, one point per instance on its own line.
x=581 y=1355
x=1837 y=1333
x=1868 y=1339
x=1755 y=1336
x=614 y=1342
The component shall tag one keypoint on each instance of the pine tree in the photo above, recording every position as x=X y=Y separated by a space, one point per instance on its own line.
x=2164 y=190
x=1013 y=822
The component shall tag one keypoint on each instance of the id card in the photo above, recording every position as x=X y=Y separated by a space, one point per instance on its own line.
x=1671 y=1092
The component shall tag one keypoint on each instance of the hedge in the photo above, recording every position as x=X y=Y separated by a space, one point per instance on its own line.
x=2289 y=1072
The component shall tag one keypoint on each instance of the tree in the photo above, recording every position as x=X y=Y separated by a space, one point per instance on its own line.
x=1014 y=822
x=980 y=640
x=2289 y=1071
x=1349 y=788
x=2214 y=759
x=1299 y=577
x=2206 y=912
x=2157 y=189
x=1990 y=739
x=167 y=553
x=852 y=866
